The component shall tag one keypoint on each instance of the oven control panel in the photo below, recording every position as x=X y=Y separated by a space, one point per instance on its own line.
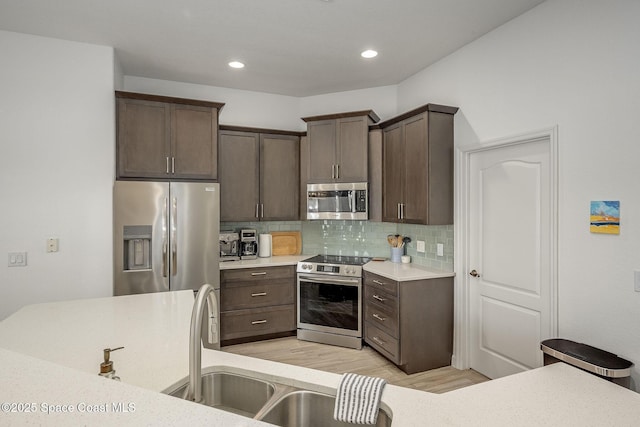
x=333 y=269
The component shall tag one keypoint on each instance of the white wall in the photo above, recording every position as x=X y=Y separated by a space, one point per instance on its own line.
x=265 y=110
x=56 y=169
x=382 y=100
x=242 y=107
x=574 y=64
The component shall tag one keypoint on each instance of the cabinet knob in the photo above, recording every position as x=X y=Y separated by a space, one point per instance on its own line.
x=474 y=273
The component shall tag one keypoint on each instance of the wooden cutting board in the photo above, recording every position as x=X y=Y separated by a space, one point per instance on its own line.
x=286 y=243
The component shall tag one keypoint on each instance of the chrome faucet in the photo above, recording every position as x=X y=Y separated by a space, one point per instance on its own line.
x=206 y=295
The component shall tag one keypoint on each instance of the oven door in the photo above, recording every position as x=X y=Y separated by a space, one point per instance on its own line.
x=330 y=304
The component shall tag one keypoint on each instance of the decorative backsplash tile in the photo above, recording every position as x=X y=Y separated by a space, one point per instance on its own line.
x=263 y=226
x=362 y=238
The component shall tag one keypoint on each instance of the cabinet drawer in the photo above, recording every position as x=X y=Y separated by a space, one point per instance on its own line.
x=378 y=282
x=256 y=294
x=261 y=321
x=383 y=342
x=377 y=297
x=251 y=274
x=383 y=318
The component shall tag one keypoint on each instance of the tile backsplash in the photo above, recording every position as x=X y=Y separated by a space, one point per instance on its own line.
x=363 y=238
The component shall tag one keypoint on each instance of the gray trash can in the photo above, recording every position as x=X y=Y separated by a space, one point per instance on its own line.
x=590 y=359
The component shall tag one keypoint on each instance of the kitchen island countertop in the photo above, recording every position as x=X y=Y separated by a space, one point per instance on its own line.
x=67 y=338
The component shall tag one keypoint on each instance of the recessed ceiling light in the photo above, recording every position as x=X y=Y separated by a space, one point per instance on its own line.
x=369 y=54
x=236 y=64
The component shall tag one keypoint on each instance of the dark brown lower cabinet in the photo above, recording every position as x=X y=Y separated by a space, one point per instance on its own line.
x=257 y=303
x=410 y=322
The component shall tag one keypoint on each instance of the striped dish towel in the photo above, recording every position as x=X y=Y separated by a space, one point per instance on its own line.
x=358 y=399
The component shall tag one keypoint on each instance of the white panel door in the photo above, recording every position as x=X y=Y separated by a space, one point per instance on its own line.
x=511 y=283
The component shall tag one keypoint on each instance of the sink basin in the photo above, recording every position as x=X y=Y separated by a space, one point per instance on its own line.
x=230 y=392
x=308 y=408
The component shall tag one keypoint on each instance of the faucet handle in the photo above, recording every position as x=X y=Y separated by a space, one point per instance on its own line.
x=107 y=365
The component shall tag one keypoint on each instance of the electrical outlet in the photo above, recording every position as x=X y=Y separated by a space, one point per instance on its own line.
x=440 y=249
x=17 y=259
x=420 y=246
x=52 y=245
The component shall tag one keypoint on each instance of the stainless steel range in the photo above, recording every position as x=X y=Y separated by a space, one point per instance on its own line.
x=330 y=300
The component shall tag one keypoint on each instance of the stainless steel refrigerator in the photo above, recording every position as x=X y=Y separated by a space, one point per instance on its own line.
x=166 y=236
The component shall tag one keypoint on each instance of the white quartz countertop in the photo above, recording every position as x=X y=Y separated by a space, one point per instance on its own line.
x=66 y=339
x=273 y=261
x=404 y=272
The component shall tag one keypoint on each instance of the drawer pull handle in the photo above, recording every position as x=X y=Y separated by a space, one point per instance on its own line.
x=261 y=273
x=377 y=282
x=379 y=341
x=259 y=294
x=380 y=318
x=379 y=298
x=258 y=322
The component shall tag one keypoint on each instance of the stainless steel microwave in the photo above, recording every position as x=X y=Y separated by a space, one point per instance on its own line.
x=338 y=201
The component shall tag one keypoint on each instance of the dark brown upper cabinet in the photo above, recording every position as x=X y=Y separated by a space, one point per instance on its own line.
x=338 y=147
x=166 y=138
x=259 y=175
x=417 y=166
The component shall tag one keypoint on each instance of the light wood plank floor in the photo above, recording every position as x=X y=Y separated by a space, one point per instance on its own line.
x=364 y=362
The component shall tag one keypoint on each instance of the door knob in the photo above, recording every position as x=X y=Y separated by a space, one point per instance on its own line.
x=474 y=273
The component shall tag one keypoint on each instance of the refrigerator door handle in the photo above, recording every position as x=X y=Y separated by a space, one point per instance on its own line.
x=174 y=244
x=165 y=241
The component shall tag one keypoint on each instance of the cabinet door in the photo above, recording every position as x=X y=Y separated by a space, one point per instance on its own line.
x=279 y=177
x=416 y=170
x=393 y=172
x=352 y=149
x=194 y=142
x=238 y=176
x=143 y=139
x=322 y=150
x=440 y=204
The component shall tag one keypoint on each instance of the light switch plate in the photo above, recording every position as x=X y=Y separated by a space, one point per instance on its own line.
x=17 y=259
x=420 y=246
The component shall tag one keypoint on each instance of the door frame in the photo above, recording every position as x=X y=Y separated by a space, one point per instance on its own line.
x=461 y=358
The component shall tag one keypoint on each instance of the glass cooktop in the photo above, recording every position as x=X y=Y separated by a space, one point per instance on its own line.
x=338 y=259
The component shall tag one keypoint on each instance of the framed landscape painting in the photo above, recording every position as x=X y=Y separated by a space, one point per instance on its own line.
x=605 y=217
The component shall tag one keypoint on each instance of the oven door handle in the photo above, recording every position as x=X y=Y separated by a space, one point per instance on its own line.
x=329 y=279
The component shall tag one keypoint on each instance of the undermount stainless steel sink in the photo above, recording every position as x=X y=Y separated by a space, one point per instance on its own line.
x=230 y=392
x=305 y=408
x=267 y=401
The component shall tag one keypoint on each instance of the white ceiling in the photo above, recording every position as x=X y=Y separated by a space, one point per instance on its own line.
x=290 y=47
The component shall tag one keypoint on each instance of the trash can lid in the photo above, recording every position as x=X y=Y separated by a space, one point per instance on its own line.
x=589 y=358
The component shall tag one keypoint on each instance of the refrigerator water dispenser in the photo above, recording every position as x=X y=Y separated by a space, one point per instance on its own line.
x=137 y=247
